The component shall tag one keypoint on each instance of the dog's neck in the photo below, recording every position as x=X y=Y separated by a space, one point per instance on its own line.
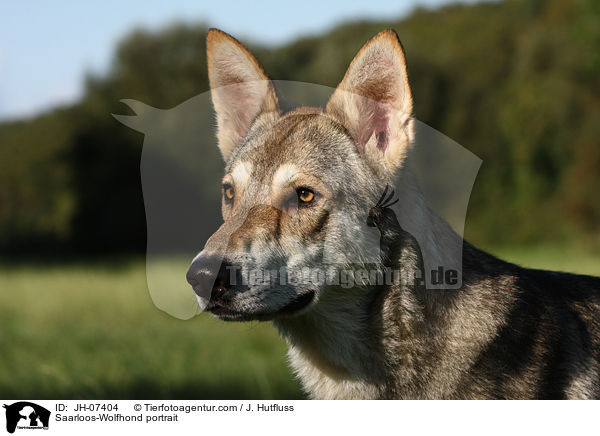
x=328 y=345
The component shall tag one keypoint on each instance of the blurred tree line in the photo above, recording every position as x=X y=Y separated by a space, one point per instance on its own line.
x=517 y=83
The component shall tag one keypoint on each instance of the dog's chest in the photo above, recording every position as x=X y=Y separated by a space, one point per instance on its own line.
x=326 y=383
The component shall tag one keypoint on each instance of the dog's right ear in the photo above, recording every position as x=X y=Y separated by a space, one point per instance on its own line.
x=239 y=87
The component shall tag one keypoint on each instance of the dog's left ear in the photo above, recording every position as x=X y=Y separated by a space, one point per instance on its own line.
x=240 y=89
x=374 y=102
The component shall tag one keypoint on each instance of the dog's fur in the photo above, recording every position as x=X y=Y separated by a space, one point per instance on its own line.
x=508 y=332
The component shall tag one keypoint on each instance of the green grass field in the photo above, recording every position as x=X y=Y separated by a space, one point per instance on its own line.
x=91 y=331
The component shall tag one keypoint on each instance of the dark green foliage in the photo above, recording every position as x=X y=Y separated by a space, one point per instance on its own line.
x=517 y=83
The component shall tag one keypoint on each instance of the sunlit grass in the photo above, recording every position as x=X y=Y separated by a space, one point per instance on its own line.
x=93 y=332
x=553 y=257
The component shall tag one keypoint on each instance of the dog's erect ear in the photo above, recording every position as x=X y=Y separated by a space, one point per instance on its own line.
x=240 y=89
x=373 y=101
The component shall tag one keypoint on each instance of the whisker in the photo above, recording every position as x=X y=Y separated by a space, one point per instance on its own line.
x=383 y=195
x=389 y=196
x=392 y=203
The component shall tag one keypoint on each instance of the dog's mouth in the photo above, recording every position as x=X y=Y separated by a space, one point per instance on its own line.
x=226 y=312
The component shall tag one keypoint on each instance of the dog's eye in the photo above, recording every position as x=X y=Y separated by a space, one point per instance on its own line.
x=228 y=192
x=305 y=195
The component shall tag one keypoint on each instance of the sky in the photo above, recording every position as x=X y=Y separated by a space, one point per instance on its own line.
x=46 y=48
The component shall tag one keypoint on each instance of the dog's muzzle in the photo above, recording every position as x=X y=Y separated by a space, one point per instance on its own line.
x=217 y=283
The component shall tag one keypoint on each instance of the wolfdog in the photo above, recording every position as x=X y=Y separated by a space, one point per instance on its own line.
x=308 y=180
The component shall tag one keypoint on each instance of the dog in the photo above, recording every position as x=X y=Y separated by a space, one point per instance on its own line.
x=309 y=181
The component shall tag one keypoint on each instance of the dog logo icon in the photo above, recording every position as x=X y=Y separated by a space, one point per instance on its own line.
x=26 y=415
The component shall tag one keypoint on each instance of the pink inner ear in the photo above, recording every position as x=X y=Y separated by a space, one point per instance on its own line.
x=242 y=104
x=378 y=125
x=382 y=140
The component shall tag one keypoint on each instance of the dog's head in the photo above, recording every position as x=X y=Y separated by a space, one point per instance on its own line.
x=297 y=185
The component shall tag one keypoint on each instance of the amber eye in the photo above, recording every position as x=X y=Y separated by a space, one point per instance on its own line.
x=228 y=192
x=305 y=195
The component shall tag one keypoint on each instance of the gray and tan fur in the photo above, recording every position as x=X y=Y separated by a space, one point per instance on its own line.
x=508 y=332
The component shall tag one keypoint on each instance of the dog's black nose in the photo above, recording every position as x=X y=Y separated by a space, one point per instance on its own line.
x=209 y=276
